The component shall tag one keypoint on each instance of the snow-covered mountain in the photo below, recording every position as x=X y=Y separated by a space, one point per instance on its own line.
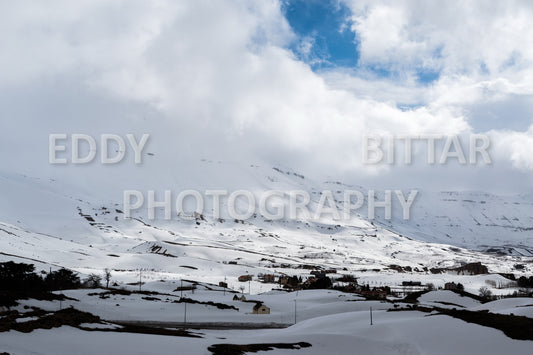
x=476 y=220
x=56 y=224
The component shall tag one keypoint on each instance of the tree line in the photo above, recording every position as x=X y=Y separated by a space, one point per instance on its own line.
x=22 y=278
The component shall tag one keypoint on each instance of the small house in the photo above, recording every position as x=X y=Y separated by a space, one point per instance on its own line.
x=239 y=298
x=244 y=278
x=260 y=308
x=268 y=278
x=450 y=286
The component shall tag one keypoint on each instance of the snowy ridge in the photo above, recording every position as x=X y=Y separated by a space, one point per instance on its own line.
x=60 y=225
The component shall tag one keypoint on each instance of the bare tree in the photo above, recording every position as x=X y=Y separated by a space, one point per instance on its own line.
x=485 y=292
x=107 y=277
x=93 y=281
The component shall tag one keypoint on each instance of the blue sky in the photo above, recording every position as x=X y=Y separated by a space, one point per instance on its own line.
x=327 y=22
x=334 y=44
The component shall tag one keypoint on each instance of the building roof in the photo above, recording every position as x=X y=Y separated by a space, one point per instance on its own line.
x=258 y=305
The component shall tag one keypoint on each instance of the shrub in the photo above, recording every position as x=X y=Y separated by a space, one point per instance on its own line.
x=485 y=292
x=93 y=281
x=62 y=279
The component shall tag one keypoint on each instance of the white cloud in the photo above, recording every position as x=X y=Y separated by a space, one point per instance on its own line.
x=216 y=79
x=516 y=147
x=455 y=37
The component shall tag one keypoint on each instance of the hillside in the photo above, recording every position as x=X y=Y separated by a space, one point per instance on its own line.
x=55 y=224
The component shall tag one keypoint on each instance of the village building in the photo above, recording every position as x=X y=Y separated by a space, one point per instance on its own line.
x=239 y=298
x=450 y=286
x=244 y=278
x=268 y=278
x=260 y=308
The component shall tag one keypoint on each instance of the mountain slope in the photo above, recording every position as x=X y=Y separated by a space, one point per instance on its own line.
x=60 y=225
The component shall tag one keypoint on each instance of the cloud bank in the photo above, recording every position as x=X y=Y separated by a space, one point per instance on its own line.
x=218 y=80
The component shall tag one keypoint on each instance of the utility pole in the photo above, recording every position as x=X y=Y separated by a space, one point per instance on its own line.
x=140 y=279
x=225 y=283
x=249 y=281
x=371 y=323
x=185 y=313
x=295 y=311
x=181 y=288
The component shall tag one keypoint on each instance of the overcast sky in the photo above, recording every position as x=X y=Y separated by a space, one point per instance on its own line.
x=282 y=83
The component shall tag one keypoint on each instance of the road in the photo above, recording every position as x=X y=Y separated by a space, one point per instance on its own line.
x=204 y=325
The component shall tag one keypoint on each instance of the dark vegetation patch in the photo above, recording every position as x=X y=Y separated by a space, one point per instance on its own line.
x=464 y=270
x=174 y=243
x=68 y=316
x=121 y=292
x=449 y=304
x=238 y=349
x=523 y=281
x=413 y=297
x=9 y=298
x=74 y=318
x=149 y=295
x=476 y=268
x=189 y=267
x=14 y=314
x=471 y=295
x=399 y=268
x=148 y=298
x=141 y=329
x=20 y=281
x=209 y=303
x=411 y=307
x=252 y=301
x=184 y=288
x=515 y=327
x=158 y=249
